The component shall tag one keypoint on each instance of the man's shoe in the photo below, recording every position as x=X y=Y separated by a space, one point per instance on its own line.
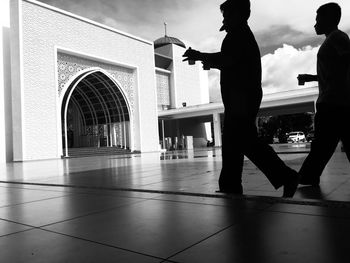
x=308 y=181
x=238 y=190
x=291 y=185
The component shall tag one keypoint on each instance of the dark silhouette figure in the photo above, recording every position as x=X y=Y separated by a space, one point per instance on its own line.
x=240 y=64
x=333 y=103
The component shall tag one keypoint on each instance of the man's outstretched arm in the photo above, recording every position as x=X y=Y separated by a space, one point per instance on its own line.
x=210 y=60
x=307 y=78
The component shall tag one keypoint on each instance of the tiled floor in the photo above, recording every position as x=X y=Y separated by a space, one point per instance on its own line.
x=77 y=225
x=144 y=209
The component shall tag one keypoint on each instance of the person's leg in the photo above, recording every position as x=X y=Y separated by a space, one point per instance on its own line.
x=265 y=158
x=322 y=147
x=345 y=133
x=230 y=180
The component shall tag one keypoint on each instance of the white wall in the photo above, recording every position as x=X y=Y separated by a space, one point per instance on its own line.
x=204 y=86
x=2 y=102
x=38 y=30
x=5 y=85
x=191 y=82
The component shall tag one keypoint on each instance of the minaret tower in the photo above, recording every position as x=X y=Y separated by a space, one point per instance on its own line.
x=165 y=29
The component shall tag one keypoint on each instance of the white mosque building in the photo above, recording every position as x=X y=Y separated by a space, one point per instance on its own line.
x=68 y=82
x=70 y=86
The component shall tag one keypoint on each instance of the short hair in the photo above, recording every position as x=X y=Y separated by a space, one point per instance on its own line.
x=242 y=6
x=332 y=11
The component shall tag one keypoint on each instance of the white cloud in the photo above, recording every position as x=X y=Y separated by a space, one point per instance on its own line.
x=298 y=14
x=197 y=21
x=280 y=69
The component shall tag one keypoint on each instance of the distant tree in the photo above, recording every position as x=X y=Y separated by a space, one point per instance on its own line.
x=270 y=126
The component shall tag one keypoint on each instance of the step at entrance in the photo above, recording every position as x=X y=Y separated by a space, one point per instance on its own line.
x=94 y=151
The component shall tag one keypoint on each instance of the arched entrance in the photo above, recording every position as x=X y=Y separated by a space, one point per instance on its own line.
x=94 y=114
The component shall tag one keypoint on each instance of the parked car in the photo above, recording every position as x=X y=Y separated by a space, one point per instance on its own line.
x=294 y=137
x=310 y=136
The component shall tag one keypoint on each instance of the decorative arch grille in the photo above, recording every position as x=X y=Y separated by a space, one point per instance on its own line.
x=68 y=66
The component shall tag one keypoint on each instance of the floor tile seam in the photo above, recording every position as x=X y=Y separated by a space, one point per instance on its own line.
x=266 y=199
x=18 y=232
x=17 y=223
x=306 y=214
x=92 y=213
x=132 y=197
x=334 y=190
x=345 y=182
x=34 y=189
x=233 y=225
x=71 y=193
x=114 y=195
x=155 y=183
x=46 y=178
x=171 y=180
x=43 y=190
x=254 y=188
x=206 y=204
x=101 y=243
x=96 y=188
x=202 y=240
x=35 y=201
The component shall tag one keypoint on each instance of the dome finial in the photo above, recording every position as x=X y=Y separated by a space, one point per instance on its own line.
x=165 y=24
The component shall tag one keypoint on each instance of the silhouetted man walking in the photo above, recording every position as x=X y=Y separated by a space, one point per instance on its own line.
x=333 y=103
x=240 y=65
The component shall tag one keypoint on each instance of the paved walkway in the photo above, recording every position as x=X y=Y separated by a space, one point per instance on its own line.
x=163 y=208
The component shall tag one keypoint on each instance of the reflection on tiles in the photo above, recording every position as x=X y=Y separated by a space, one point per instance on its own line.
x=52 y=210
x=181 y=171
x=154 y=227
x=275 y=237
x=42 y=246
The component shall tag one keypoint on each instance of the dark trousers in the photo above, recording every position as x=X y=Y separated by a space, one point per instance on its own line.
x=332 y=124
x=240 y=138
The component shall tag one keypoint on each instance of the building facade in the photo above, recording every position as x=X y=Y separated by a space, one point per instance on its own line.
x=69 y=82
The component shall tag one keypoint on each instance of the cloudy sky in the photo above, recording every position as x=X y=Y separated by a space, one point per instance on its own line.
x=283 y=29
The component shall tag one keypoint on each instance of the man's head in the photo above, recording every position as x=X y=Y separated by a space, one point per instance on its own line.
x=235 y=12
x=327 y=18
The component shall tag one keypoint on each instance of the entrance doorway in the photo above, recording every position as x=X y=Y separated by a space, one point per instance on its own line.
x=94 y=114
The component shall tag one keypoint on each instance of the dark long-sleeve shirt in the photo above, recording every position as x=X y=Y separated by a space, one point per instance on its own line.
x=333 y=70
x=240 y=64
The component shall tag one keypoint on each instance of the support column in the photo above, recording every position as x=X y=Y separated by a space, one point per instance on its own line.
x=217 y=129
x=163 y=135
x=65 y=136
x=313 y=117
x=315 y=105
x=124 y=134
x=114 y=139
x=178 y=135
x=110 y=134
